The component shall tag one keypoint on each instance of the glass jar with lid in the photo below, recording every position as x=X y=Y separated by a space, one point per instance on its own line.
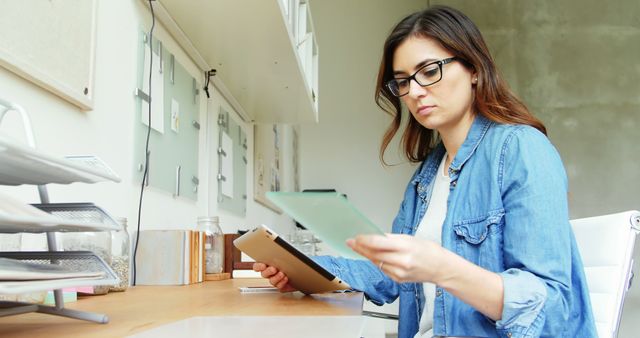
x=213 y=243
x=120 y=255
x=98 y=242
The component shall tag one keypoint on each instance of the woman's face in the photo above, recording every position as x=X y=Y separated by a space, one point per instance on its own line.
x=444 y=104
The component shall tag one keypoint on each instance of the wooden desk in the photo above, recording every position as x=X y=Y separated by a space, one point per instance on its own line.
x=143 y=307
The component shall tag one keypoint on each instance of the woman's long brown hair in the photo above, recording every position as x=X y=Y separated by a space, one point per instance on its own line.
x=459 y=35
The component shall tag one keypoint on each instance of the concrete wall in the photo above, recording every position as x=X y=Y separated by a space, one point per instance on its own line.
x=573 y=62
x=576 y=64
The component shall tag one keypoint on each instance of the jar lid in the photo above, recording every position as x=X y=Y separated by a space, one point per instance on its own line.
x=214 y=219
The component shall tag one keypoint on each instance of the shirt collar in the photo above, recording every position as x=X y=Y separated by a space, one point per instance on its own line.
x=477 y=131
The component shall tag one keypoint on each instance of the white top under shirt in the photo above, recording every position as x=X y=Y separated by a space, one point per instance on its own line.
x=431 y=228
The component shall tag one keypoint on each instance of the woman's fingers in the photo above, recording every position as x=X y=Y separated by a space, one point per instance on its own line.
x=372 y=246
x=276 y=278
x=258 y=267
x=401 y=257
x=368 y=243
x=282 y=283
x=268 y=272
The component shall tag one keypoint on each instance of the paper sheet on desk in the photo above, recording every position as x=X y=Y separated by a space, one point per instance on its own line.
x=328 y=215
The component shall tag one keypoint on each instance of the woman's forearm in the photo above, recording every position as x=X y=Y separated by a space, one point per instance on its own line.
x=478 y=287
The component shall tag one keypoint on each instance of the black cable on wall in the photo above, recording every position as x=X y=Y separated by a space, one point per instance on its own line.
x=145 y=175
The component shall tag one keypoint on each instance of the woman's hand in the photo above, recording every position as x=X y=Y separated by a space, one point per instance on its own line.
x=407 y=258
x=277 y=278
x=404 y=258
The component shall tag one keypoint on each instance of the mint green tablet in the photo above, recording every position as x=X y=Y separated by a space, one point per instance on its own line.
x=329 y=215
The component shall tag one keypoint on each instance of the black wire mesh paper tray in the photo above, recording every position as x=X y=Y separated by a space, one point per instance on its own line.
x=80 y=213
x=59 y=217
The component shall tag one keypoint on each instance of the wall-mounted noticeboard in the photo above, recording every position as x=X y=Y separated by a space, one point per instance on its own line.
x=52 y=44
x=232 y=165
x=175 y=126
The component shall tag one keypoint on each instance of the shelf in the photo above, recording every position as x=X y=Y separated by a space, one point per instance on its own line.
x=20 y=164
x=251 y=45
x=79 y=261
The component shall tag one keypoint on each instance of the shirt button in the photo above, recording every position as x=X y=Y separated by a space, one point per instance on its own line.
x=508 y=334
x=454 y=183
x=438 y=293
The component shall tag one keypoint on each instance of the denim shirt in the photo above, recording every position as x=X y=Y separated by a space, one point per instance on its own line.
x=507 y=212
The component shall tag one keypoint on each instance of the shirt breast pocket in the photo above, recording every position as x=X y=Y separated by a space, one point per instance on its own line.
x=479 y=239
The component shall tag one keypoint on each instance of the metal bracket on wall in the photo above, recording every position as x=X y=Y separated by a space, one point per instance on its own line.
x=145 y=38
x=141 y=94
x=196 y=91
x=195 y=124
x=177 y=192
x=161 y=64
x=223 y=124
x=196 y=183
x=222 y=121
x=141 y=169
x=172 y=65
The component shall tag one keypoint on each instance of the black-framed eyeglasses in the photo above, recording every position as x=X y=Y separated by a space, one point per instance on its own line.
x=425 y=76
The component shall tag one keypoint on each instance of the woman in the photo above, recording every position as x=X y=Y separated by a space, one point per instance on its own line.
x=482 y=244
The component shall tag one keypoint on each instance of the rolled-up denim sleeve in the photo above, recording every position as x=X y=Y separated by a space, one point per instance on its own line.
x=537 y=237
x=362 y=276
x=524 y=298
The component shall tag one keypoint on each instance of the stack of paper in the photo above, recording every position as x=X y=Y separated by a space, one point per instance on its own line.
x=16 y=270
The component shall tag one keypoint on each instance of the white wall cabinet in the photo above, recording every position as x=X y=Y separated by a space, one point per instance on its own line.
x=264 y=51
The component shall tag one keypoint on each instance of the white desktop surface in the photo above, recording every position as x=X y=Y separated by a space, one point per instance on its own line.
x=260 y=326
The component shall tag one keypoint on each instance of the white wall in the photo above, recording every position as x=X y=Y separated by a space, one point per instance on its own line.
x=107 y=131
x=341 y=151
x=61 y=128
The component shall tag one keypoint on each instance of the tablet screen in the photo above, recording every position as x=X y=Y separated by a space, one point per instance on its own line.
x=329 y=215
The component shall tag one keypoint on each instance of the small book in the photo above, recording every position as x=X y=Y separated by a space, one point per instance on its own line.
x=161 y=257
